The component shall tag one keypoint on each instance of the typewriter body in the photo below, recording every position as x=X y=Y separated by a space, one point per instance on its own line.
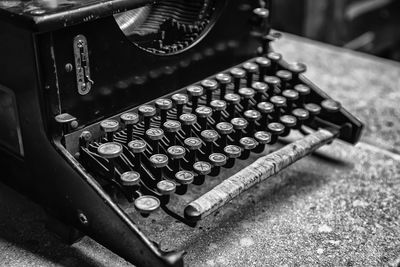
x=116 y=105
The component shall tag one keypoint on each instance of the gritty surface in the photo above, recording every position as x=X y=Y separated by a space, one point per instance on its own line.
x=337 y=208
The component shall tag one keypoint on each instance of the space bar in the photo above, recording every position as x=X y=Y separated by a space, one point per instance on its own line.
x=260 y=170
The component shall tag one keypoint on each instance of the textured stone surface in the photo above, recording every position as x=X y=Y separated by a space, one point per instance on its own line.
x=338 y=209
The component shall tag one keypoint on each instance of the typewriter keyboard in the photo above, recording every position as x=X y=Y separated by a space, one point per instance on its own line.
x=163 y=149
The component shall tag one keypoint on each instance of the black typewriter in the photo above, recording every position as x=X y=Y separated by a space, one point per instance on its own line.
x=116 y=105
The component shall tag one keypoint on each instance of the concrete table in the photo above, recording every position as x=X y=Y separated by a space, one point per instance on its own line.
x=338 y=208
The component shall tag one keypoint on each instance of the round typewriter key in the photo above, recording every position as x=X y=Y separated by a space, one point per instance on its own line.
x=110 y=151
x=188 y=120
x=163 y=105
x=239 y=124
x=314 y=109
x=224 y=129
x=265 y=109
x=301 y=115
x=203 y=113
x=218 y=106
x=297 y=68
x=291 y=96
x=193 y=144
x=246 y=94
x=146 y=204
x=209 y=137
x=232 y=152
x=176 y=153
x=159 y=162
x=137 y=147
x=279 y=102
x=233 y=100
x=276 y=129
x=155 y=135
x=180 y=100
x=303 y=91
x=261 y=89
x=109 y=127
x=223 y=80
x=251 y=69
x=248 y=144
x=237 y=74
x=195 y=92
x=210 y=86
x=130 y=178
x=331 y=106
x=202 y=169
x=262 y=138
x=263 y=65
x=275 y=59
x=285 y=77
x=166 y=188
x=289 y=121
x=129 y=119
x=184 y=177
x=172 y=128
x=217 y=160
x=251 y=116
x=273 y=84
x=147 y=112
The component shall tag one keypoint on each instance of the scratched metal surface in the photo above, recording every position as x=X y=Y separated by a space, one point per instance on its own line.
x=338 y=208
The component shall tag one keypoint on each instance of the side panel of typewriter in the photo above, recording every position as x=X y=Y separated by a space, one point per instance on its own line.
x=45 y=171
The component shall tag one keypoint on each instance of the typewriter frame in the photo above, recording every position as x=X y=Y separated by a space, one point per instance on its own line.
x=62 y=187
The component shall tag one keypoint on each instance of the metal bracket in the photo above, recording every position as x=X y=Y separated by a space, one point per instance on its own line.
x=82 y=65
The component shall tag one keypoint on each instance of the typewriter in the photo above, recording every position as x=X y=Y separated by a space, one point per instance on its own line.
x=118 y=112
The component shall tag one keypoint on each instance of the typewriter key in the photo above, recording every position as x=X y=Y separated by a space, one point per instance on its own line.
x=154 y=135
x=246 y=94
x=232 y=152
x=146 y=205
x=261 y=90
x=147 y=112
x=251 y=69
x=275 y=59
x=210 y=86
x=239 y=124
x=290 y=122
x=303 y=91
x=302 y=115
x=251 y=116
x=195 y=92
x=159 y=162
x=238 y=74
x=163 y=105
x=166 y=188
x=314 y=109
x=130 y=178
x=193 y=144
x=180 y=100
x=203 y=113
x=248 y=144
x=224 y=129
x=330 y=106
x=137 y=147
x=172 y=128
x=273 y=85
x=262 y=138
x=209 y=137
x=285 y=77
x=188 y=120
x=202 y=169
x=218 y=106
x=233 y=100
x=183 y=178
x=129 y=119
x=109 y=127
x=265 y=109
x=297 y=68
x=263 y=65
x=276 y=129
x=176 y=154
x=223 y=80
x=110 y=151
x=291 y=96
x=217 y=160
x=279 y=102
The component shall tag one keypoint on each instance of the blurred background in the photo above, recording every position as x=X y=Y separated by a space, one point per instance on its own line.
x=371 y=26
